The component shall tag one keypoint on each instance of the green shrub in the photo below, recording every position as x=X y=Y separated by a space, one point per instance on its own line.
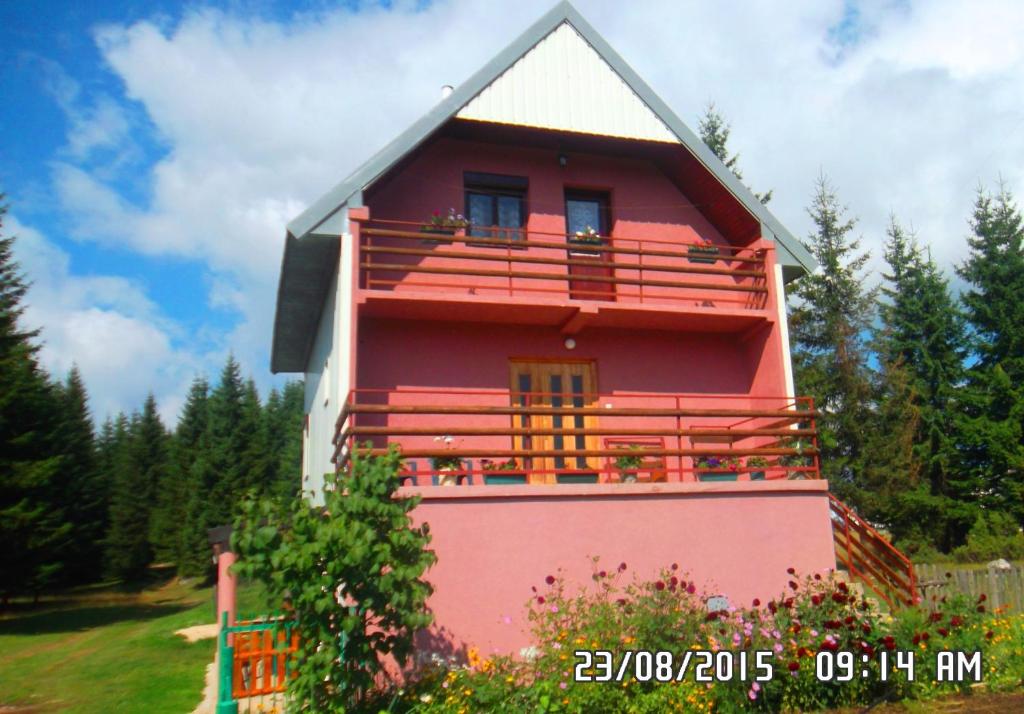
x=351 y=574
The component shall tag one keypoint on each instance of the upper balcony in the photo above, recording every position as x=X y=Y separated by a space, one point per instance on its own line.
x=534 y=277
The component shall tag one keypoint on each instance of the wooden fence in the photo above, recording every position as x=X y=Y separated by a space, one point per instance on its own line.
x=1004 y=588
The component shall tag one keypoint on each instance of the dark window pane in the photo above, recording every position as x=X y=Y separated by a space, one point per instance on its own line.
x=480 y=211
x=524 y=401
x=577 y=401
x=510 y=216
x=556 y=420
x=583 y=214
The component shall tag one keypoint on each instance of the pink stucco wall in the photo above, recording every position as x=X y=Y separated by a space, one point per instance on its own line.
x=735 y=539
x=644 y=202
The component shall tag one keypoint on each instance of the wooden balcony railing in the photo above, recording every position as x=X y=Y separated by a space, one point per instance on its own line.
x=399 y=256
x=481 y=437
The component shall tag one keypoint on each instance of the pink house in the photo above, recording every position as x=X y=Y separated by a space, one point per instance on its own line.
x=594 y=363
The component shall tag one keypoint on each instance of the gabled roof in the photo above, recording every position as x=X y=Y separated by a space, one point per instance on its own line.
x=312 y=236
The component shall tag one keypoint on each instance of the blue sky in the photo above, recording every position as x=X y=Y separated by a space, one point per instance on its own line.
x=154 y=151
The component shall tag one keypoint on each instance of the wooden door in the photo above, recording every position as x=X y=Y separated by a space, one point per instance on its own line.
x=586 y=212
x=558 y=385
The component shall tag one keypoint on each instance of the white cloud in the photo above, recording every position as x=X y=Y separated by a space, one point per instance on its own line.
x=907 y=107
x=104 y=324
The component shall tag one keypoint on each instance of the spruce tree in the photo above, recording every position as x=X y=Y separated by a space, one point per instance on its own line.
x=84 y=489
x=922 y=333
x=829 y=321
x=140 y=469
x=283 y=414
x=714 y=131
x=224 y=472
x=33 y=530
x=187 y=467
x=991 y=426
x=254 y=460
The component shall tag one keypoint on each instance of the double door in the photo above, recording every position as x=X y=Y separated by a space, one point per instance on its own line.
x=555 y=385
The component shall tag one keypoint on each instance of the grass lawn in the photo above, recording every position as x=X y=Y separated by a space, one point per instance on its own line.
x=103 y=650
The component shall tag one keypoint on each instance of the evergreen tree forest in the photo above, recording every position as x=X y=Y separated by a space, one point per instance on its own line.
x=920 y=385
x=81 y=504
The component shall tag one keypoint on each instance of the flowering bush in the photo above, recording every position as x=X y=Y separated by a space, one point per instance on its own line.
x=814 y=614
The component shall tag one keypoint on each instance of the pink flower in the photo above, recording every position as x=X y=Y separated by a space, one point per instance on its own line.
x=554 y=608
x=562 y=685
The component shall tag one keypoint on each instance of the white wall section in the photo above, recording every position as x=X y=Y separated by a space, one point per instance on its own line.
x=563 y=83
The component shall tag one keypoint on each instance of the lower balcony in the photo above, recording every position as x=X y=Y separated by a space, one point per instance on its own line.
x=471 y=438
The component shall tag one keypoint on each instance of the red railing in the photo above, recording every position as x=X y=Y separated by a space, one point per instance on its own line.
x=399 y=256
x=481 y=437
x=869 y=557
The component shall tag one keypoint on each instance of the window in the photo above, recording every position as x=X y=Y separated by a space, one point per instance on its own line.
x=496 y=205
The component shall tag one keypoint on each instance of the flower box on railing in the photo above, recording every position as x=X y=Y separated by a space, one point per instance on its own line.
x=503 y=473
x=702 y=250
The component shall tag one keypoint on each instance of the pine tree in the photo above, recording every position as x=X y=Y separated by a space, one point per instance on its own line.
x=283 y=414
x=83 y=488
x=991 y=425
x=995 y=271
x=126 y=546
x=32 y=526
x=224 y=472
x=188 y=460
x=139 y=469
x=714 y=131
x=254 y=460
x=922 y=332
x=829 y=320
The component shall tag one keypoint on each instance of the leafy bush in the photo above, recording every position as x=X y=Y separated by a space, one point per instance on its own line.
x=350 y=573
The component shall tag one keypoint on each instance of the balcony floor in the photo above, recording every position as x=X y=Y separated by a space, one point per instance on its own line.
x=570 y=316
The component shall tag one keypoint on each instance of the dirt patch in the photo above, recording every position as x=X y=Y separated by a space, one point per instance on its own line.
x=197 y=632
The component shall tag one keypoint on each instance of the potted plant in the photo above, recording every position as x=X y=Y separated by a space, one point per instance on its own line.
x=703 y=248
x=445 y=223
x=502 y=472
x=627 y=465
x=756 y=466
x=587 y=237
x=717 y=468
x=447 y=466
x=798 y=460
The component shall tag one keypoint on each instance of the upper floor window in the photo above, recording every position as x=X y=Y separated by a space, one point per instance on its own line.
x=496 y=205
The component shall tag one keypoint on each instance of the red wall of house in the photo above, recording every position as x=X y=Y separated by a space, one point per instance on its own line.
x=645 y=204
x=494 y=543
